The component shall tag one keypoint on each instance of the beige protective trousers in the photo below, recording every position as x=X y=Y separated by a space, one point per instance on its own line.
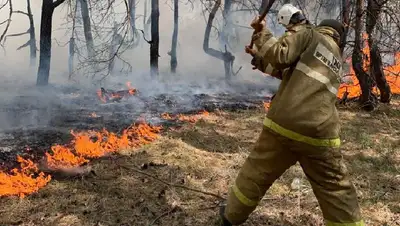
x=323 y=166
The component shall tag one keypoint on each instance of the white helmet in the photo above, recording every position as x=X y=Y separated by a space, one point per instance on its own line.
x=285 y=13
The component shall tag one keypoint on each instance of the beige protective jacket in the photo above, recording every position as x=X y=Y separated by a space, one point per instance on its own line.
x=304 y=106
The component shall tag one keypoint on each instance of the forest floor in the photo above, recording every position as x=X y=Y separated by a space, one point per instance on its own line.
x=207 y=156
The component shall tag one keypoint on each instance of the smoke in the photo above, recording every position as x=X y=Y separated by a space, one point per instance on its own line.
x=26 y=106
x=41 y=116
x=192 y=61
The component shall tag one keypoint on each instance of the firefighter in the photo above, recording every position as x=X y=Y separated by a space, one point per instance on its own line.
x=293 y=20
x=302 y=125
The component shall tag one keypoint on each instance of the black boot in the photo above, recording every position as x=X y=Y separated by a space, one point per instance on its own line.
x=223 y=221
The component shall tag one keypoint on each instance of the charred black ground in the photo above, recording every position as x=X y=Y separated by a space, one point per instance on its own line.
x=32 y=123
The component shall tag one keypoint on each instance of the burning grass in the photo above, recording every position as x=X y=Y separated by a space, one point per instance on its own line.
x=22 y=181
x=392 y=73
x=85 y=145
x=111 y=96
x=185 y=118
x=206 y=155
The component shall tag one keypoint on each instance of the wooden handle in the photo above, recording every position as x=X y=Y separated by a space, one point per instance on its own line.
x=262 y=16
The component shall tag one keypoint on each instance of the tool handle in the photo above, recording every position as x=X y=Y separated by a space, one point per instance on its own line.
x=262 y=16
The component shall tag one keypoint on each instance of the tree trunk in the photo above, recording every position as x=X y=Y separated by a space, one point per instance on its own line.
x=115 y=42
x=155 y=37
x=87 y=29
x=132 y=15
x=32 y=35
x=146 y=20
x=43 y=74
x=72 y=45
x=367 y=99
x=45 y=43
x=174 y=60
x=71 y=57
x=226 y=56
x=345 y=20
x=227 y=24
x=376 y=68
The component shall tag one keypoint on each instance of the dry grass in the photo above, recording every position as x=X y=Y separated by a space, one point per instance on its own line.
x=207 y=156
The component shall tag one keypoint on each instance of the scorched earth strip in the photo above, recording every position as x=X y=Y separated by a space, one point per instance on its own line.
x=84 y=146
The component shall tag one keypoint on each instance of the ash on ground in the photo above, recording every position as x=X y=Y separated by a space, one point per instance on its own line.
x=34 y=119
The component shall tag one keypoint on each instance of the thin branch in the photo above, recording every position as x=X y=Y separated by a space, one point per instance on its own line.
x=21 y=12
x=5 y=3
x=4 y=22
x=164 y=214
x=144 y=36
x=170 y=184
x=24 y=45
x=16 y=34
x=8 y=21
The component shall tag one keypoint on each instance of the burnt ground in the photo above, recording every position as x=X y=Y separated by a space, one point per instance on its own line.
x=31 y=122
x=149 y=186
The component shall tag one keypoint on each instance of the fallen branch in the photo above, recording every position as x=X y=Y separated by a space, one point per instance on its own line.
x=164 y=214
x=170 y=184
x=66 y=173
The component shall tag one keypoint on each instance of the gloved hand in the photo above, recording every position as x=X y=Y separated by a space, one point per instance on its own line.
x=257 y=63
x=250 y=51
x=256 y=25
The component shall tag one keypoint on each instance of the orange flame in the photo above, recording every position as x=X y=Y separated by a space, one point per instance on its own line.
x=85 y=145
x=391 y=74
x=266 y=105
x=92 y=144
x=63 y=158
x=22 y=181
x=114 y=95
x=101 y=97
x=130 y=89
x=186 y=118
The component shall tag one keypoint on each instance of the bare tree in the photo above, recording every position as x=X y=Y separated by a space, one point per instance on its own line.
x=376 y=66
x=226 y=56
x=227 y=25
x=367 y=99
x=72 y=44
x=109 y=34
x=116 y=42
x=87 y=28
x=172 y=53
x=155 y=37
x=8 y=21
x=132 y=20
x=146 y=20
x=345 y=16
x=31 y=31
x=48 y=7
